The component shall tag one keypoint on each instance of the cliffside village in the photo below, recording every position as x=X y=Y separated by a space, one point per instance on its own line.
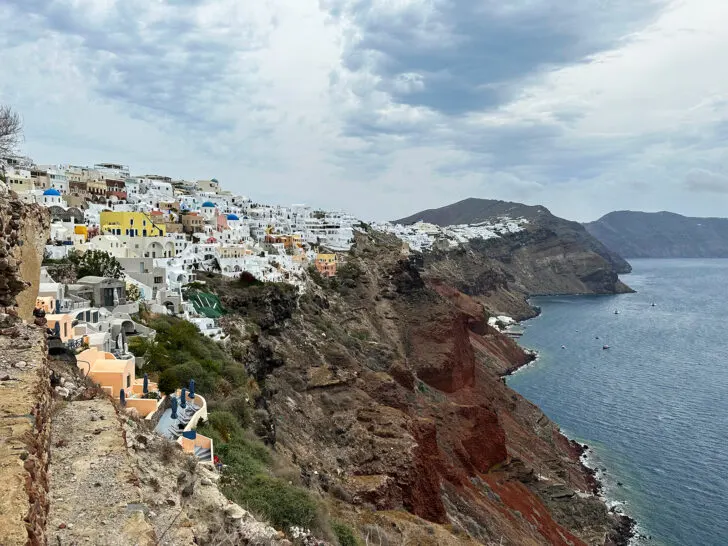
x=161 y=231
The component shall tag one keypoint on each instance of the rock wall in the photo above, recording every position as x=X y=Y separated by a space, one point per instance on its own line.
x=24 y=230
x=24 y=436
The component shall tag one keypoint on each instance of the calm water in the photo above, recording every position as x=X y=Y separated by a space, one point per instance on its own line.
x=654 y=407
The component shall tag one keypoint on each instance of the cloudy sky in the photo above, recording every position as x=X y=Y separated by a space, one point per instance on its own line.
x=385 y=107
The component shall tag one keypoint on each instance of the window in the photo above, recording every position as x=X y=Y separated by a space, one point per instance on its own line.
x=158 y=280
x=131 y=222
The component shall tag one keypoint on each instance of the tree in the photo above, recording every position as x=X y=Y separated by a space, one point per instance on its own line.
x=132 y=292
x=11 y=130
x=98 y=263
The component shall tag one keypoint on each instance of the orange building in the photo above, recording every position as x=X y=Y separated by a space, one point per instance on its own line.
x=326 y=264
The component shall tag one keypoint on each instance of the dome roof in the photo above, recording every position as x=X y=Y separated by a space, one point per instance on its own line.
x=52 y=191
x=208 y=204
x=232 y=217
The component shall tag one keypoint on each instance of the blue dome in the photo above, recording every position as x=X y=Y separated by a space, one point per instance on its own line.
x=232 y=217
x=53 y=192
x=208 y=204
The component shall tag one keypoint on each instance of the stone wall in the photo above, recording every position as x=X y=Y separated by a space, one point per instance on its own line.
x=24 y=231
x=25 y=413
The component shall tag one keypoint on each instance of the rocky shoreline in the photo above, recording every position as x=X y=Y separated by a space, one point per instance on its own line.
x=626 y=531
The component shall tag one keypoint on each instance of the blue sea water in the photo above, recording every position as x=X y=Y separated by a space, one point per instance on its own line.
x=654 y=406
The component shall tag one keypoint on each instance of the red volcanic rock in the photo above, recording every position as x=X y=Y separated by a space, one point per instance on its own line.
x=423 y=497
x=441 y=353
x=482 y=437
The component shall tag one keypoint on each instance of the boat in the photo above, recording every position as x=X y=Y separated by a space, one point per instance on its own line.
x=616 y=312
x=654 y=304
x=563 y=346
x=605 y=347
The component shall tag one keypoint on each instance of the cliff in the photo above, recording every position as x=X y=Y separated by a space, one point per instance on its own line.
x=546 y=229
x=661 y=235
x=24 y=385
x=24 y=231
x=384 y=389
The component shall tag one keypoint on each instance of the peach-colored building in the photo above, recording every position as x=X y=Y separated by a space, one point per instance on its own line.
x=326 y=264
x=114 y=374
x=65 y=322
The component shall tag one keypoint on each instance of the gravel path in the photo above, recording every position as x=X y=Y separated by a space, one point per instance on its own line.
x=95 y=493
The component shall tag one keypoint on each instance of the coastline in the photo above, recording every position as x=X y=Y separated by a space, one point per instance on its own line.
x=626 y=532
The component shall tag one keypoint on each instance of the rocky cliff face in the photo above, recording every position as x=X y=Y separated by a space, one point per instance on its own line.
x=385 y=390
x=501 y=273
x=662 y=235
x=23 y=235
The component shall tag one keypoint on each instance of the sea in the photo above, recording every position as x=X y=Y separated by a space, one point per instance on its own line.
x=654 y=405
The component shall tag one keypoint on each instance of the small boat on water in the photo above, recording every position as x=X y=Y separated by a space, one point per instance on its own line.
x=563 y=346
x=654 y=304
x=616 y=311
x=605 y=347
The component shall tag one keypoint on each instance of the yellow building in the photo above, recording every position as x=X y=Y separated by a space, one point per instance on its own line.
x=82 y=230
x=134 y=224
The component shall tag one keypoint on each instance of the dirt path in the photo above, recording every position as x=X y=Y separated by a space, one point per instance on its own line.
x=95 y=493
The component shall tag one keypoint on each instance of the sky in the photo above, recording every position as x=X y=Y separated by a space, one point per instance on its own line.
x=385 y=107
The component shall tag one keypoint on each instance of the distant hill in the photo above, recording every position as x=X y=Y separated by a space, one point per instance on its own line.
x=473 y=211
x=570 y=235
x=661 y=235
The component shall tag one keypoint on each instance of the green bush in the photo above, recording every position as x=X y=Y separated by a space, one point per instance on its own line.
x=225 y=424
x=282 y=504
x=344 y=534
x=180 y=352
x=168 y=381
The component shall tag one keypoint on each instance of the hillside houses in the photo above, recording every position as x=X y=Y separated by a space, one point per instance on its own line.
x=164 y=232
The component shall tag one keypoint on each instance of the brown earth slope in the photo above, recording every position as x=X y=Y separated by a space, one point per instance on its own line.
x=384 y=388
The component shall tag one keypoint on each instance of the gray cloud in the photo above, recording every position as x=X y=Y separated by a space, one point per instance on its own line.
x=469 y=56
x=166 y=68
x=385 y=107
x=702 y=180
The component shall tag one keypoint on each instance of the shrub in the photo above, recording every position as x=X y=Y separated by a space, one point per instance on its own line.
x=344 y=534
x=238 y=406
x=168 y=381
x=225 y=424
x=282 y=504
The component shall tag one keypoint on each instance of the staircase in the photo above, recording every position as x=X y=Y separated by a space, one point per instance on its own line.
x=183 y=418
x=203 y=454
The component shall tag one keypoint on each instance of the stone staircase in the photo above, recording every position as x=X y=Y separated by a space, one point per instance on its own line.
x=203 y=454
x=183 y=418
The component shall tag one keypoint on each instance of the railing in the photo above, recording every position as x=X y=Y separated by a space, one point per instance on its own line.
x=74 y=344
x=65 y=306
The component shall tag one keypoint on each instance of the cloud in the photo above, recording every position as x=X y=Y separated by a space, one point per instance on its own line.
x=701 y=180
x=384 y=107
